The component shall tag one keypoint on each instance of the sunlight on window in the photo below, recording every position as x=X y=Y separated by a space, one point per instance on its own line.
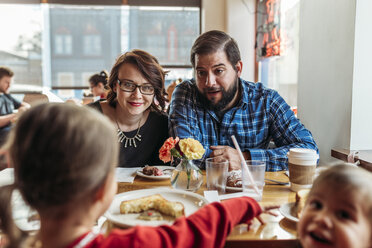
x=79 y=39
x=20 y=43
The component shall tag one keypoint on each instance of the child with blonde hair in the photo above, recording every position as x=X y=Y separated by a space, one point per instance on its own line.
x=69 y=178
x=338 y=212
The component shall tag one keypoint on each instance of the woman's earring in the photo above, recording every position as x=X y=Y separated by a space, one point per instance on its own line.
x=155 y=101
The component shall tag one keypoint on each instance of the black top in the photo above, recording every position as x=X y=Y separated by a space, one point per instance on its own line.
x=154 y=132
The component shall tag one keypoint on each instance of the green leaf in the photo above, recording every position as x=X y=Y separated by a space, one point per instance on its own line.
x=175 y=153
x=175 y=178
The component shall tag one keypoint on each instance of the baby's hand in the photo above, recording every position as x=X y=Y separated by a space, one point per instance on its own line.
x=267 y=210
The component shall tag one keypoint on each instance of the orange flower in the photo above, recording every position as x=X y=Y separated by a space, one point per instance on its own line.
x=165 y=150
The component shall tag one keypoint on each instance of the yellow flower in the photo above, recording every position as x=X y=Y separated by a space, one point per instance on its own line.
x=192 y=149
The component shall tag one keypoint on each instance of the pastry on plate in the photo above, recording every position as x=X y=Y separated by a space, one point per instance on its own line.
x=152 y=171
x=155 y=202
x=150 y=215
x=234 y=179
x=301 y=198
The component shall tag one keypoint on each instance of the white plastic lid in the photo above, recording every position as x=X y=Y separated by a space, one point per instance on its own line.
x=302 y=152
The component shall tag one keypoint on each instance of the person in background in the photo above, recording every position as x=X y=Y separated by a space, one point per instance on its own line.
x=338 y=211
x=73 y=183
x=8 y=104
x=98 y=85
x=171 y=88
x=217 y=104
x=135 y=104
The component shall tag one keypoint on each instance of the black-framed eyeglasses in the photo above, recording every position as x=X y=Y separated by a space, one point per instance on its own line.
x=146 y=89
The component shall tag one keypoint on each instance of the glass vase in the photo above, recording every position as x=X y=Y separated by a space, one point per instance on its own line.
x=187 y=176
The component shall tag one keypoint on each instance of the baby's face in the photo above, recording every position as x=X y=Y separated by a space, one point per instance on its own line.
x=335 y=218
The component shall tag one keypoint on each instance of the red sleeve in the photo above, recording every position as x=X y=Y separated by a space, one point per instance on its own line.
x=208 y=227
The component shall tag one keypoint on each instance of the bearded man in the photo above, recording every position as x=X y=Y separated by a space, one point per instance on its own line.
x=217 y=104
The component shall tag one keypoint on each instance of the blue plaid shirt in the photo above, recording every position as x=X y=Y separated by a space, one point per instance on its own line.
x=261 y=115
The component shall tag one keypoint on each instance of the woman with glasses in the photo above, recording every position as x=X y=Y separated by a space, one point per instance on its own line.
x=135 y=104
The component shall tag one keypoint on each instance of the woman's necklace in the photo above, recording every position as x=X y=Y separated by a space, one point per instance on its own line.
x=129 y=141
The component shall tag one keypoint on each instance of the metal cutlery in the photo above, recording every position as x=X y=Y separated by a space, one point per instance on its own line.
x=278 y=182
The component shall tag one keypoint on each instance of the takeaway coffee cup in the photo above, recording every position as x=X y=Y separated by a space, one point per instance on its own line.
x=301 y=163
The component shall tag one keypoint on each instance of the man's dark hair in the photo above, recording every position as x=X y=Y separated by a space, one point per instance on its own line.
x=5 y=71
x=212 y=41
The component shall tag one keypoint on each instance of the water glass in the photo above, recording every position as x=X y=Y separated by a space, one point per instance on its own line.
x=257 y=171
x=217 y=174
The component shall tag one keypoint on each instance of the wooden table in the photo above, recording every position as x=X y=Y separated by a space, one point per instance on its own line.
x=277 y=232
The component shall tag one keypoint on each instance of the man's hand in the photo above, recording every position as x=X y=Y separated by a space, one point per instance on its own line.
x=226 y=152
x=20 y=111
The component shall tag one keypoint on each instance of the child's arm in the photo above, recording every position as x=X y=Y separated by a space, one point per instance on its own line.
x=208 y=227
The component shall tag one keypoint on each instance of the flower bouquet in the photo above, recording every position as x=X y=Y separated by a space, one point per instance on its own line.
x=186 y=175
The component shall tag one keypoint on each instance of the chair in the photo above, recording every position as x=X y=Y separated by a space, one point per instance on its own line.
x=34 y=98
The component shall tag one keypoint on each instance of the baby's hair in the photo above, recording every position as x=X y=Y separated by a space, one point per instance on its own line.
x=347 y=178
x=101 y=77
x=58 y=161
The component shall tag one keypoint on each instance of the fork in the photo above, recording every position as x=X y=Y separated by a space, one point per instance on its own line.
x=278 y=182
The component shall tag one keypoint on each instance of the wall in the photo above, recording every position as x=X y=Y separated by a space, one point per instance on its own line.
x=237 y=18
x=361 y=131
x=334 y=88
x=241 y=26
x=213 y=15
x=334 y=57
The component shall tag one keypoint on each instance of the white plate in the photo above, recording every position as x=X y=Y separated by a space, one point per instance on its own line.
x=286 y=211
x=234 y=189
x=22 y=213
x=191 y=201
x=167 y=173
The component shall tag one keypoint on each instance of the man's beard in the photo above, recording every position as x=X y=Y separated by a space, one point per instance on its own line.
x=227 y=97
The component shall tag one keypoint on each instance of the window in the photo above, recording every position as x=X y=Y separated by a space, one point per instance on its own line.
x=76 y=39
x=92 y=45
x=21 y=42
x=65 y=79
x=63 y=44
x=86 y=75
x=165 y=30
x=279 y=72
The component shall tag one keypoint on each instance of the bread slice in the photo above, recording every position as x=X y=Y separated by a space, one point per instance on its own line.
x=156 y=202
x=301 y=198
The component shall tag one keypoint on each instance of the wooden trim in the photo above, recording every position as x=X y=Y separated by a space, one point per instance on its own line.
x=85 y=2
x=179 y=3
x=70 y=87
x=177 y=66
x=286 y=243
x=364 y=156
